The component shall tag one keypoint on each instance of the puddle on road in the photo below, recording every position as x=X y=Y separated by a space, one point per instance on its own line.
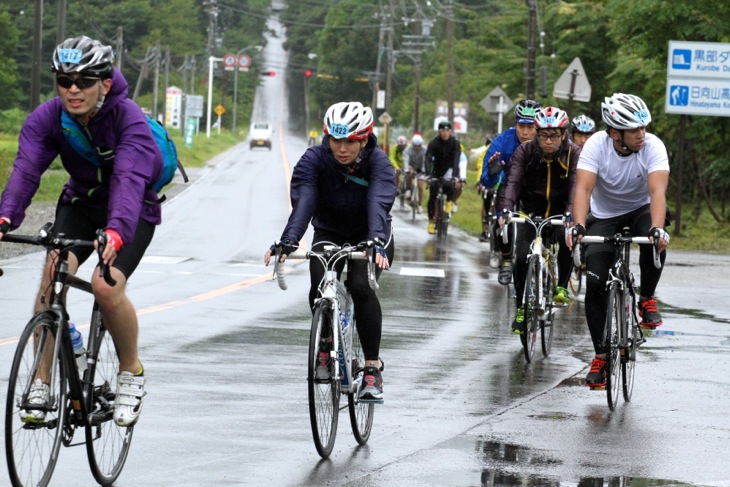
x=503 y=462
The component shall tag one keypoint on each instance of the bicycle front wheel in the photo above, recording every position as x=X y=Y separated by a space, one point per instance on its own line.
x=324 y=389
x=361 y=414
x=33 y=432
x=614 y=317
x=107 y=444
x=531 y=304
x=547 y=324
x=628 y=360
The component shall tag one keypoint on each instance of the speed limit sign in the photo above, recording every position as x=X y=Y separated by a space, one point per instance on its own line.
x=229 y=62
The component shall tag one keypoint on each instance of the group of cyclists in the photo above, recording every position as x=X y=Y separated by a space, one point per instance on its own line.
x=344 y=185
x=600 y=181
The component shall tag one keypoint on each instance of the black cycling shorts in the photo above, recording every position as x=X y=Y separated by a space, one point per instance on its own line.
x=81 y=222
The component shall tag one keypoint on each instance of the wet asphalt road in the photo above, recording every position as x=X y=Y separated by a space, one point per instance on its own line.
x=225 y=354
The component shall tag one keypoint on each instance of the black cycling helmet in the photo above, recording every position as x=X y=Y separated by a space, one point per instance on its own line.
x=526 y=110
x=84 y=56
x=445 y=124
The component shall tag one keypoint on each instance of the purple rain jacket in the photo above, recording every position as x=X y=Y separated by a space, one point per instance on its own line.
x=322 y=192
x=121 y=185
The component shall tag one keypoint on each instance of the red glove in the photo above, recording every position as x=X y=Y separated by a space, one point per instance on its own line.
x=114 y=239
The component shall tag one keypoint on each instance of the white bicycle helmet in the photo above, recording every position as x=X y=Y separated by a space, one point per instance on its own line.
x=84 y=56
x=348 y=120
x=417 y=140
x=401 y=140
x=583 y=124
x=551 y=118
x=625 y=112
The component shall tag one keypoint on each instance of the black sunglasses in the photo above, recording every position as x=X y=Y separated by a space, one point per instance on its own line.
x=82 y=83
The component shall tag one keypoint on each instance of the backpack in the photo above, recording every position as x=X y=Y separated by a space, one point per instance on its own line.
x=80 y=142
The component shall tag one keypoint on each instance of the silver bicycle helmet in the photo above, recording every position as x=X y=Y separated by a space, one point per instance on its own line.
x=526 y=110
x=583 y=124
x=85 y=56
x=348 y=120
x=625 y=112
x=551 y=118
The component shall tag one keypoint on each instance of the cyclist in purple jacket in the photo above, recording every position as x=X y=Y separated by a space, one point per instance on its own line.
x=346 y=187
x=116 y=196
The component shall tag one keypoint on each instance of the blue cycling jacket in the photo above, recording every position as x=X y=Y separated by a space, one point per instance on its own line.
x=505 y=143
x=356 y=207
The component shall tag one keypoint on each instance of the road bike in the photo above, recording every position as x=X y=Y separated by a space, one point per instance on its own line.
x=441 y=217
x=335 y=362
x=408 y=192
x=540 y=283
x=622 y=333
x=81 y=389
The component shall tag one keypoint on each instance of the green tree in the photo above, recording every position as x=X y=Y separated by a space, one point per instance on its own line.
x=8 y=72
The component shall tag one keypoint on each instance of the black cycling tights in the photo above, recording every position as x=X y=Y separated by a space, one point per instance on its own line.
x=601 y=257
x=368 y=314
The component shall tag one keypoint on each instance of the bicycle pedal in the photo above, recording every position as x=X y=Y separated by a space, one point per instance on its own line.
x=371 y=401
x=597 y=388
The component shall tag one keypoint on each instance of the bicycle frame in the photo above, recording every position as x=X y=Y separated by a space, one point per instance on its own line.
x=621 y=343
x=339 y=301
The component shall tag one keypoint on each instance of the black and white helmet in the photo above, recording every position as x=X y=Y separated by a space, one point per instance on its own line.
x=625 y=112
x=526 y=110
x=348 y=120
x=85 y=56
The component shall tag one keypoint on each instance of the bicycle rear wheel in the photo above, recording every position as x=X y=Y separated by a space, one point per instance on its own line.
x=614 y=317
x=547 y=324
x=361 y=414
x=324 y=393
x=33 y=436
x=628 y=361
x=107 y=444
x=532 y=306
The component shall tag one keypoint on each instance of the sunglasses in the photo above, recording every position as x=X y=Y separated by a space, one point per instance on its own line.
x=81 y=83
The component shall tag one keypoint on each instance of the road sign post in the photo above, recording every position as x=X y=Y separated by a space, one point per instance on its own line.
x=573 y=85
x=497 y=103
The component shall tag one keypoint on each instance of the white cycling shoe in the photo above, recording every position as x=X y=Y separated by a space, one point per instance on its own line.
x=37 y=396
x=128 y=401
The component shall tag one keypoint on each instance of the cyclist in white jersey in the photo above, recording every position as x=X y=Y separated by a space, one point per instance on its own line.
x=622 y=176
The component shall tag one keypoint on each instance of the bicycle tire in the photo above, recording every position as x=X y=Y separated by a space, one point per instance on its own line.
x=361 y=414
x=324 y=397
x=614 y=315
x=32 y=447
x=531 y=305
x=107 y=445
x=547 y=324
x=439 y=218
x=628 y=363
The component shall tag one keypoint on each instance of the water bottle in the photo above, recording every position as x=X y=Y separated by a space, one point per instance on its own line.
x=78 y=343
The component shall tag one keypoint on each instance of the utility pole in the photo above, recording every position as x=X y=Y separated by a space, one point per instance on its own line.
x=35 y=75
x=381 y=41
x=61 y=22
x=156 y=83
x=449 y=12
x=120 y=47
x=531 y=49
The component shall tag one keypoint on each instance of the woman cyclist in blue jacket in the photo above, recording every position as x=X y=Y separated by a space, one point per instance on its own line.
x=346 y=187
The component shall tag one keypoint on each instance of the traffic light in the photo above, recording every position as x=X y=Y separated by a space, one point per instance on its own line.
x=308 y=73
x=268 y=73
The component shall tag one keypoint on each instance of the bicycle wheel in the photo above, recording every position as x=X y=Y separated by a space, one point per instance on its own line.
x=532 y=305
x=324 y=393
x=33 y=437
x=547 y=324
x=614 y=317
x=628 y=361
x=107 y=444
x=439 y=218
x=361 y=414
